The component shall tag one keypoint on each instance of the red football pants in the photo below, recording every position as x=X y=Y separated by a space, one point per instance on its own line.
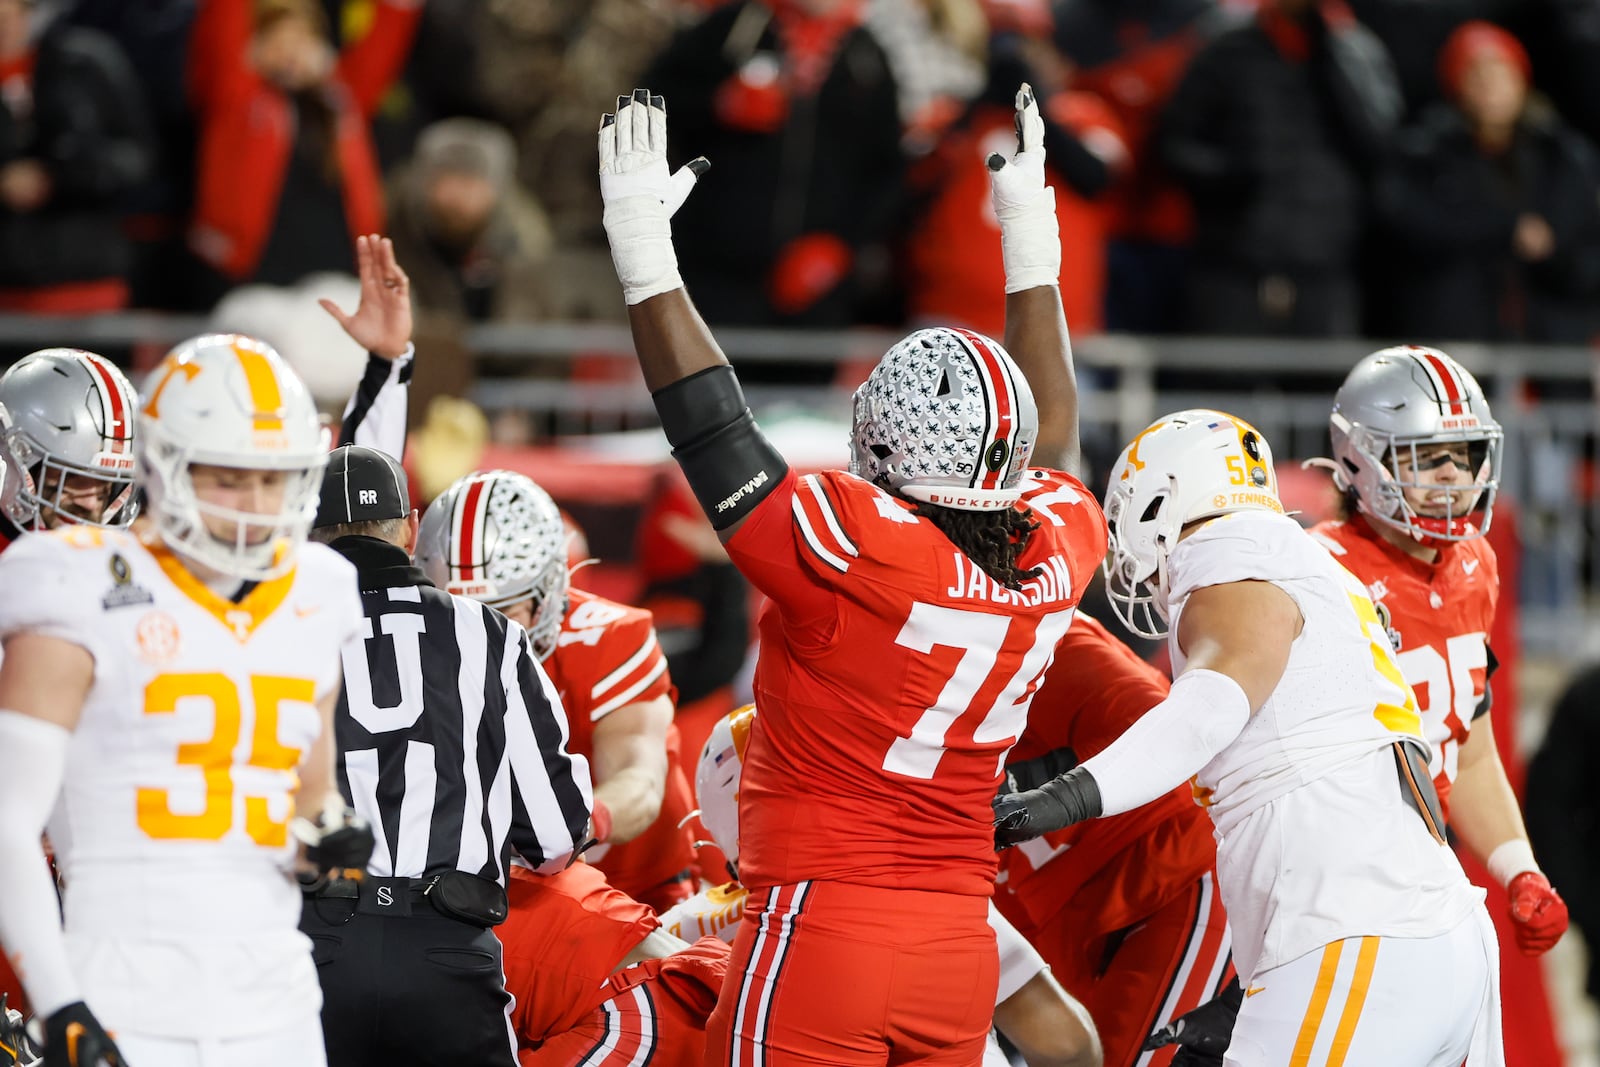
x=1137 y=980
x=832 y=973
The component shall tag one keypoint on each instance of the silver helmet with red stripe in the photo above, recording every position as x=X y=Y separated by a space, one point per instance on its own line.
x=495 y=536
x=947 y=418
x=1415 y=444
x=71 y=432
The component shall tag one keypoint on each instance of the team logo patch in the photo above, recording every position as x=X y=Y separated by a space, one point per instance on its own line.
x=1252 y=445
x=157 y=636
x=124 y=592
x=995 y=458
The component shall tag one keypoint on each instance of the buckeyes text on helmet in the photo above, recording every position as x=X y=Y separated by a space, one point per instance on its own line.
x=1396 y=409
x=1183 y=468
x=70 y=435
x=497 y=537
x=947 y=418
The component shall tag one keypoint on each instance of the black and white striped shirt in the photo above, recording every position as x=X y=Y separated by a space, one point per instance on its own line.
x=452 y=741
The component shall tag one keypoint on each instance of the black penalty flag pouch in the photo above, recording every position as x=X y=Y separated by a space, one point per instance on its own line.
x=468 y=898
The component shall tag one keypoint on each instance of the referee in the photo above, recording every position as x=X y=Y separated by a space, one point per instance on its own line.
x=452 y=744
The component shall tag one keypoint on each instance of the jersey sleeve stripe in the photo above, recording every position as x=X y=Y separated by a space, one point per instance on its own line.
x=830 y=517
x=811 y=539
x=629 y=693
x=633 y=661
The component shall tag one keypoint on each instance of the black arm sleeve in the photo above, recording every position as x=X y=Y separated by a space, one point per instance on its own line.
x=1487 y=703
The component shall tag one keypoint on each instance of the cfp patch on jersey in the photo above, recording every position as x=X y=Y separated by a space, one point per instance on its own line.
x=124 y=592
x=1387 y=619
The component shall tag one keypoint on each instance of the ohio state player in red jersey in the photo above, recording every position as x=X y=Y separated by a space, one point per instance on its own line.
x=1124 y=909
x=1417 y=455
x=498 y=537
x=914 y=604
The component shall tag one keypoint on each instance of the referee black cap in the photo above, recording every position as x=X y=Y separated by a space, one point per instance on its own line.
x=362 y=485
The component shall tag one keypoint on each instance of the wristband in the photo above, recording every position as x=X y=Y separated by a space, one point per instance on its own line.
x=1511 y=858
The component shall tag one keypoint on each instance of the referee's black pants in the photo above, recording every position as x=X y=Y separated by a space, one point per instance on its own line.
x=404 y=986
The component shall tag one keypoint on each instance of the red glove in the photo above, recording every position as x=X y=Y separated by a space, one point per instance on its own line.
x=808 y=269
x=1538 y=912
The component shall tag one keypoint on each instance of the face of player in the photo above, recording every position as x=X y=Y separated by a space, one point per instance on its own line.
x=520 y=613
x=75 y=496
x=255 y=492
x=1438 y=475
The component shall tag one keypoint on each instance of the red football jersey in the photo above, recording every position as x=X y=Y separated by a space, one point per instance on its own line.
x=564 y=936
x=1438 y=615
x=1114 y=871
x=893 y=677
x=607 y=657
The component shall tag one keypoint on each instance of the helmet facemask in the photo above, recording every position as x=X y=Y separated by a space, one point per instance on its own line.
x=54 y=484
x=1135 y=566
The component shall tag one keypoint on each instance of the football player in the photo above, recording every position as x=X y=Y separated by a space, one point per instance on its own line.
x=1035 y=1014
x=499 y=538
x=1356 y=935
x=1125 y=910
x=167 y=691
x=913 y=604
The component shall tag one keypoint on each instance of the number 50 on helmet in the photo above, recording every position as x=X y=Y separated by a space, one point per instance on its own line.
x=1185 y=467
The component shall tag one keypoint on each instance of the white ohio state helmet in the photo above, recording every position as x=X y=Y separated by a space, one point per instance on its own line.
x=227 y=400
x=1187 y=466
x=716 y=778
x=72 y=416
x=947 y=418
x=496 y=536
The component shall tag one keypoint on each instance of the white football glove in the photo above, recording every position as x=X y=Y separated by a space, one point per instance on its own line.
x=1030 y=239
x=641 y=195
x=710 y=912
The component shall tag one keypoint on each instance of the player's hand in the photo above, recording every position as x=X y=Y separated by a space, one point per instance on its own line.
x=382 y=321
x=73 y=1037
x=1063 y=801
x=340 y=841
x=1538 y=914
x=713 y=912
x=641 y=195
x=16 y=1048
x=1202 y=1034
x=1030 y=239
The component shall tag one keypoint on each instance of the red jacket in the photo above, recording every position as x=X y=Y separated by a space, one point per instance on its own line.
x=247 y=129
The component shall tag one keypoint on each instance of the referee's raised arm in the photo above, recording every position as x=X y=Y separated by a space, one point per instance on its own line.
x=452 y=744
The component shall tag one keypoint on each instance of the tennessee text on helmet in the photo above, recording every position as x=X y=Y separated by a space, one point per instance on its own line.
x=497 y=537
x=1185 y=467
x=231 y=401
x=71 y=427
x=1392 y=418
x=716 y=778
x=947 y=418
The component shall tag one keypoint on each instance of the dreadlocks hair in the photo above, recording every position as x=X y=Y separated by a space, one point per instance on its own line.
x=991 y=539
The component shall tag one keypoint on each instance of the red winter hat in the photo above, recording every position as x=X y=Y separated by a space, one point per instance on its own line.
x=1473 y=40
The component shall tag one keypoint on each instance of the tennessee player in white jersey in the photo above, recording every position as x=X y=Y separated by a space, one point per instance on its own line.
x=168 y=691
x=1357 y=937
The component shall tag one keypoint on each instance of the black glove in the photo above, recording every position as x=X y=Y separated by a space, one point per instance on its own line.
x=340 y=840
x=1203 y=1033
x=15 y=1045
x=1064 y=800
x=1032 y=773
x=73 y=1037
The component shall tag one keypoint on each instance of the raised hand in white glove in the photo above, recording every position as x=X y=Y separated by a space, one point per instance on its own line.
x=641 y=195
x=1030 y=239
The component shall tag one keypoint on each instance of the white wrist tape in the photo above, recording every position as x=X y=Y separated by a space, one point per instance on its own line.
x=1170 y=742
x=640 y=231
x=1511 y=858
x=1030 y=241
x=30 y=914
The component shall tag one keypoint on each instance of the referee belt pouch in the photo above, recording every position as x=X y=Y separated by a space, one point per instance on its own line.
x=468 y=898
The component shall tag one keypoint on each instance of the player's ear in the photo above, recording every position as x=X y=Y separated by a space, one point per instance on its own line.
x=412 y=523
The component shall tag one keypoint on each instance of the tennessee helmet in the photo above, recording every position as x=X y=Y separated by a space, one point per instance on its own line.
x=227 y=400
x=1395 y=402
x=1187 y=466
x=72 y=417
x=947 y=418
x=716 y=778
x=497 y=537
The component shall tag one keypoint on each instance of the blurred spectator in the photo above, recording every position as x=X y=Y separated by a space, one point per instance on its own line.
x=546 y=70
x=953 y=267
x=74 y=138
x=1492 y=208
x=794 y=103
x=1132 y=53
x=1273 y=130
x=936 y=51
x=287 y=175
x=1563 y=810
x=468 y=237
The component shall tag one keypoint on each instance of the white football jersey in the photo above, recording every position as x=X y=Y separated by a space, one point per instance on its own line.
x=172 y=828
x=1315 y=841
